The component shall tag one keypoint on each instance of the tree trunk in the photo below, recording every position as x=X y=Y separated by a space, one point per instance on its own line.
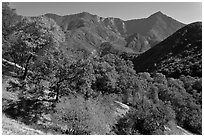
x=57 y=92
x=125 y=97
x=26 y=67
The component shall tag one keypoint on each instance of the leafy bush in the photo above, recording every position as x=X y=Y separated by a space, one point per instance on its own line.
x=75 y=115
x=145 y=118
x=165 y=100
x=187 y=109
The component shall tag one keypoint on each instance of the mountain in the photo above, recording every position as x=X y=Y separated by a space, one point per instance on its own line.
x=86 y=31
x=153 y=29
x=179 y=54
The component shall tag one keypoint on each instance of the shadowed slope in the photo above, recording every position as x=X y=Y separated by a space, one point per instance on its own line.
x=179 y=54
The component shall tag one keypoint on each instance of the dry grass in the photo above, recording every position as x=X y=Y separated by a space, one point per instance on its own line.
x=12 y=127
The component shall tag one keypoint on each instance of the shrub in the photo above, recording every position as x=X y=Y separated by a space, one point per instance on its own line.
x=187 y=109
x=77 y=115
x=145 y=118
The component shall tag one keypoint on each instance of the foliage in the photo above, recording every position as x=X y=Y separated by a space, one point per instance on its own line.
x=193 y=86
x=127 y=80
x=145 y=118
x=92 y=116
x=108 y=48
x=164 y=100
x=76 y=91
x=187 y=108
x=9 y=18
x=29 y=38
x=179 y=54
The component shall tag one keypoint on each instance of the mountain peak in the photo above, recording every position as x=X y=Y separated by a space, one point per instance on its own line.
x=158 y=13
x=84 y=13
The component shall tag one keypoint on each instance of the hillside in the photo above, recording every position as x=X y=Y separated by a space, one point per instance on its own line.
x=153 y=29
x=12 y=127
x=179 y=54
x=87 y=31
x=73 y=75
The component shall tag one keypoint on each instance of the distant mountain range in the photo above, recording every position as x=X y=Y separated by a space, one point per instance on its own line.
x=87 y=32
x=179 y=54
x=162 y=43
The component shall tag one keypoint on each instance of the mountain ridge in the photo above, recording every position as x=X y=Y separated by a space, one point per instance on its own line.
x=183 y=49
x=152 y=29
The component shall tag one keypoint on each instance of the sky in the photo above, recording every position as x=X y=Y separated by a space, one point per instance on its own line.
x=186 y=12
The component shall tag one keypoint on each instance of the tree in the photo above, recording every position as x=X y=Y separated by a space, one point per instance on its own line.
x=145 y=118
x=9 y=18
x=34 y=44
x=127 y=82
x=108 y=48
x=93 y=76
x=188 y=111
x=30 y=37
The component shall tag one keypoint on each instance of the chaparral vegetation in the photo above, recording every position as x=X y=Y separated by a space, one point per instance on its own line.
x=54 y=86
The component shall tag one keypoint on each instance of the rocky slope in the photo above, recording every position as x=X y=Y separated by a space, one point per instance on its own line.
x=146 y=32
x=87 y=31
